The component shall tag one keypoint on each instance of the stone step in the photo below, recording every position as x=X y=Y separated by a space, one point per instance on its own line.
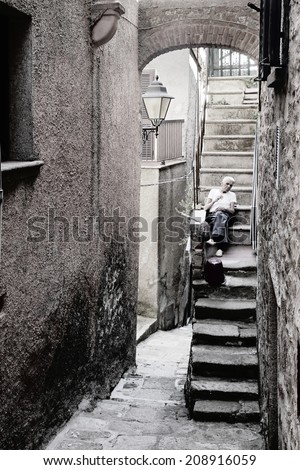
x=243 y=193
x=250 y=101
x=224 y=332
x=239 y=261
x=229 y=411
x=239 y=234
x=224 y=361
x=228 y=142
x=216 y=388
x=213 y=176
x=234 y=126
x=232 y=83
x=234 y=287
x=231 y=112
x=225 y=97
x=242 y=215
x=226 y=309
x=229 y=160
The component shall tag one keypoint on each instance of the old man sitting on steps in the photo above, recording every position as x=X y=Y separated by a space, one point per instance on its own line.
x=220 y=206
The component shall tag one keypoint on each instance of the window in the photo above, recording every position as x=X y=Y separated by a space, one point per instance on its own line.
x=15 y=89
x=227 y=63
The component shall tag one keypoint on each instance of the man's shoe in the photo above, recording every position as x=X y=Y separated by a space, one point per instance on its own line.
x=219 y=253
x=211 y=242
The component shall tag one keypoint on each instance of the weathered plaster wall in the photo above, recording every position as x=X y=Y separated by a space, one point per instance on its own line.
x=148 y=255
x=165 y=25
x=68 y=319
x=279 y=249
x=163 y=276
x=172 y=268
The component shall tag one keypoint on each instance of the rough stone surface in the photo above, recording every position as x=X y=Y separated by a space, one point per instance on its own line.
x=224 y=355
x=165 y=25
x=278 y=247
x=68 y=317
x=222 y=376
x=226 y=410
x=223 y=389
x=233 y=287
x=216 y=331
x=236 y=309
x=147 y=409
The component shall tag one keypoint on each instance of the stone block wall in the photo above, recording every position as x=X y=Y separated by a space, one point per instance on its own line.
x=278 y=301
x=69 y=264
x=166 y=25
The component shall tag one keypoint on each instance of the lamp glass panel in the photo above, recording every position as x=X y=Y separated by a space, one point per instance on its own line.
x=165 y=103
x=153 y=106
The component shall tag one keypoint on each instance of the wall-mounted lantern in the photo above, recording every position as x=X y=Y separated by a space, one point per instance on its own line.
x=105 y=17
x=157 y=101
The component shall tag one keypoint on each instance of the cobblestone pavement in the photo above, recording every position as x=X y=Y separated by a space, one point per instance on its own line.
x=147 y=409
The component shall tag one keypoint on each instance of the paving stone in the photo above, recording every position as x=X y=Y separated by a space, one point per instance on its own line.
x=164 y=383
x=136 y=443
x=80 y=445
x=136 y=428
x=160 y=395
x=110 y=409
x=142 y=414
x=86 y=435
x=142 y=420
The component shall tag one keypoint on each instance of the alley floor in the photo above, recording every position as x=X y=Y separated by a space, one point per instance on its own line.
x=147 y=409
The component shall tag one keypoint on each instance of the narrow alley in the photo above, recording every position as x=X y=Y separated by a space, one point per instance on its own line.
x=129 y=320
x=147 y=408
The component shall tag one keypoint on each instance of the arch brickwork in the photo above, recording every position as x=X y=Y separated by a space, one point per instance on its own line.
x=166 y=25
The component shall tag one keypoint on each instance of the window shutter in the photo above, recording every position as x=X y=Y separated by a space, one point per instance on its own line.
x=275 y=32
x=148 y=76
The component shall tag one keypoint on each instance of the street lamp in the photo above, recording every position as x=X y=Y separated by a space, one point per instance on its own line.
x=157 y=101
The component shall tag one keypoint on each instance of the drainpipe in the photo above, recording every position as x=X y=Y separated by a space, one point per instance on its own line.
x=105 y=18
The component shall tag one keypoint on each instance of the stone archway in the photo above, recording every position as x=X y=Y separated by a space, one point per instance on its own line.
x=165 y=25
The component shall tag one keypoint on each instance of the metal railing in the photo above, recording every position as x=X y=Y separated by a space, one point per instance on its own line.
x=168 y=144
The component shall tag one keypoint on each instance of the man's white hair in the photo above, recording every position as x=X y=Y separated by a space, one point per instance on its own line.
x=228 y=179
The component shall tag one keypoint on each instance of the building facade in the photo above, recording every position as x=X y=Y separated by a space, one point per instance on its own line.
x=278 y=229
x=71 y=151
x=70 y=167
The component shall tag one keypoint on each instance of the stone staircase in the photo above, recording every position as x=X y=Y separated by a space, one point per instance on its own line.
x=228 y=145
x=222 y=381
